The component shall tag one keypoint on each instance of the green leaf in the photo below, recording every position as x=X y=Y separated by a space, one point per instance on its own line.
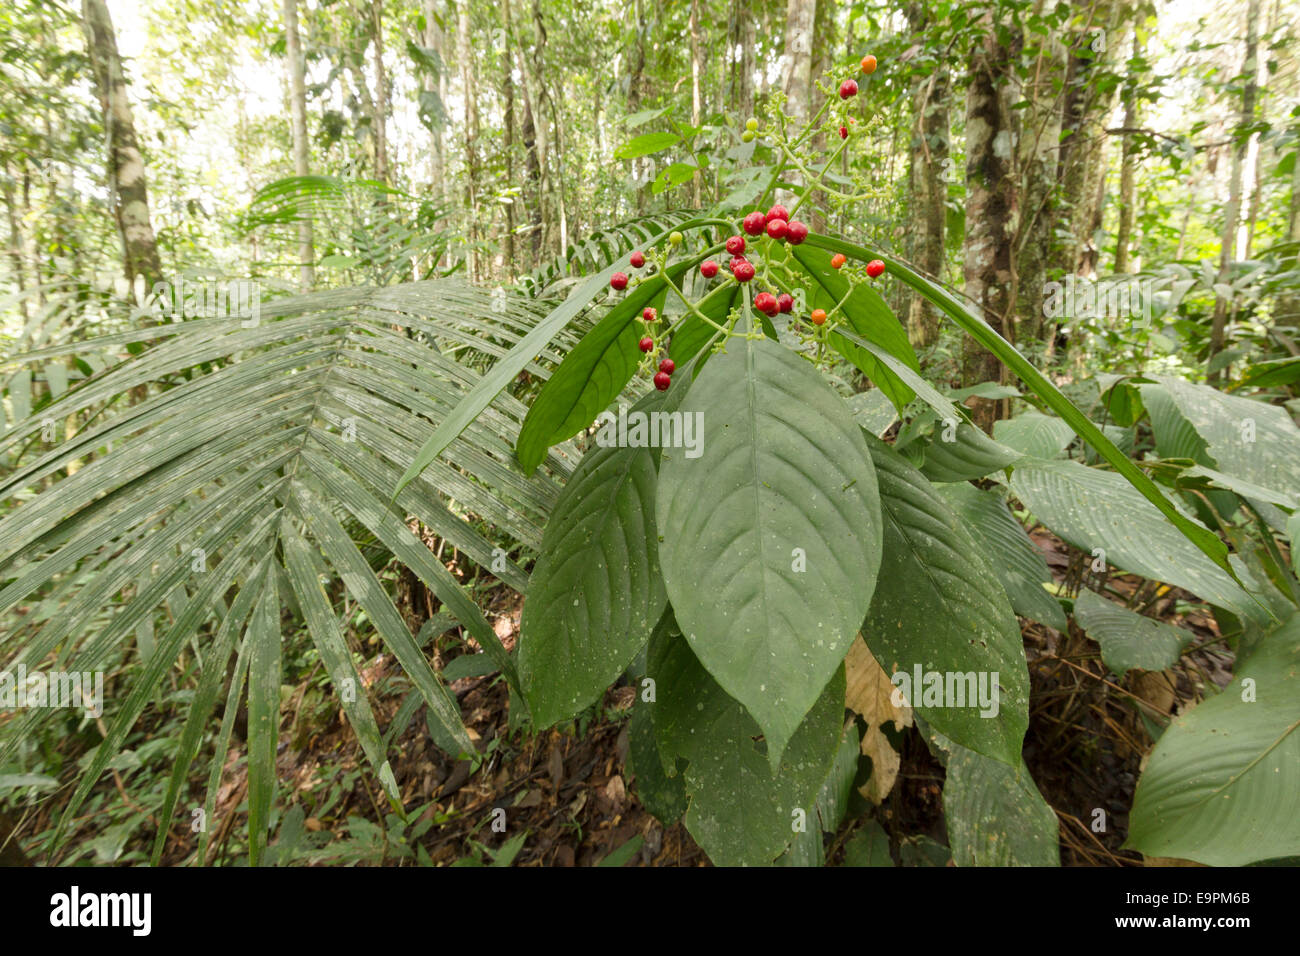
x=1128 y=640
x=1222 y=786
x=661 y=795
x=263 y=715
x=1034 y=434
x=873 y=411
x=1245 y=438
x=645 y=144
x=971 y=454
x=995 y=814
x=969 y=319
x=592 y=375
x=741 y=808
x=869 y=316
x=771 y=538
x=1091 y=509
x=596 y=591
x=942 y=610
x=1012 y=554
x=513 y=362
x=623 y=853
x=868 y=847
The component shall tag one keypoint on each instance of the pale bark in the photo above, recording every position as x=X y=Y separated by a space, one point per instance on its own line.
x=1232 y=212
x=928 y=176
x=298 y=121
x=1128 y=172
x=991 y=209
x=468 y=85
x=125 y=163
x=796 y=62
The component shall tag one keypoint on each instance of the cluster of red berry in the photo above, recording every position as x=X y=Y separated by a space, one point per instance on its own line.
x=663 y=378
x=777 y=224
x=849 y=88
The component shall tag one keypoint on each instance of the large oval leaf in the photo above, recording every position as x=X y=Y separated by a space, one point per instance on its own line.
x=771 y=538
x=1012 y=554
x=741 y=808
x=596 y=591
x=1128 y=640
x=942 y=612
x=995 y=814
x=1223 y=784
x=1099 y=509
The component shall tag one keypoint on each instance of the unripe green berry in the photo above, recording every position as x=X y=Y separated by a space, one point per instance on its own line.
x=747 y=136
x=751 y=124
x=675 y=239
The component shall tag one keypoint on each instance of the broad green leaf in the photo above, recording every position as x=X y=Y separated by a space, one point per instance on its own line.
x=1174 y=435
x=1128 y=640
x=869 y=316
x=1245 y=488
x=596 y=590
x=741 y=808
x=771 y=538
x=1244 y=437
x=942 y=611
x=995 y=814
x=661 y=795
x=509 y=366
x=969 y=319
x=592 y=375
x=645 y=144
x=1012 y=554
x=868 y=847
x=970 y=454
x=873 y=411
x=1034 y=434
x=263 y=715
x=1091 y=509
x=1222 y=785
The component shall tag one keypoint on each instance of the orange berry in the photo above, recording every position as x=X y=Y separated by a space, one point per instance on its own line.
x=818 y=317
x=838 y=260
x=868 y=64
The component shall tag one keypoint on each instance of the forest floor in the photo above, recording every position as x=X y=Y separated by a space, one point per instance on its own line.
x=568 y=790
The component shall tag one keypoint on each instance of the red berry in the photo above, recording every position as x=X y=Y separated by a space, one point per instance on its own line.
x=743 y=271
x=735 y=261
x=776 y=212
x=648 y=314
x=637 y=259
x=776 y=228
x=844 y=132
x=754 y=223
x=662 y=381
x=708 y=268
x=785 y=302
x=618 y=280
x=736 y=245
x=875 y=267
x=838 y=260
x=848 y=88
x=667 y=367
x=765 y=302
x=796 y=232
x=646 y=344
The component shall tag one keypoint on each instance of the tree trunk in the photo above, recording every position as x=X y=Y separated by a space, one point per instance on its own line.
x=800 y=15
x=1128 y=172
x=696 y=68
x=1232 y=212
x=382 y=169
x=507 y=69
x=125 y=164
x=468 y=84
x=991 y=209
x=929 y=163
x=636 y=78
x=298 y=115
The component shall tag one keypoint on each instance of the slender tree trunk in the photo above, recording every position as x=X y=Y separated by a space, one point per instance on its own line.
x=1128 y=171
x=433 y=40
x=15 y=244
x=929 y=163
x=382 y=168
x=991 y=208
x=635 y=82
x=796 y=62
x=507 y=68
x=1232 y=212
x=696 y=68
x=298 y=115
x=125 y=163
x=468 y=85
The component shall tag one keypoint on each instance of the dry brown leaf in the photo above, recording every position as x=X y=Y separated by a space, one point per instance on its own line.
x=868 y=692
